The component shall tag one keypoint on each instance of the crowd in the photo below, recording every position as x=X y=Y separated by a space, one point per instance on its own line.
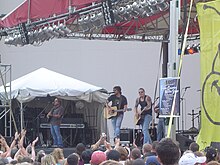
x=164 y=152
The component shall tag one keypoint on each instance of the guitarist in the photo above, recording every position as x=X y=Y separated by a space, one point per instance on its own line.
x=55 y=117
x=120 y=101
x=145 y=103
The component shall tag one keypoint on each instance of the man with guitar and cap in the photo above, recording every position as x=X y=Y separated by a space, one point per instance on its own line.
x=54 y=118
x=119 y=104
x=143 y=115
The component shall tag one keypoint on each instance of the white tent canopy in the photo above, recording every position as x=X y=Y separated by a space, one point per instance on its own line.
x=43 y=82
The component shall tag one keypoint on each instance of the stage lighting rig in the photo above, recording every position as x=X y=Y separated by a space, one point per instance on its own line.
x=87 y=20
x=190 y=49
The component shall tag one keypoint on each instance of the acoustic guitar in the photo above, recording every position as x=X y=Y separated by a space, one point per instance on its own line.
x=109 y=113
x=139 y=116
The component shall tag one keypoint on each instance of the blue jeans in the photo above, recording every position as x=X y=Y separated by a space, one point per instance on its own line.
x=161 y=129
x=55 y=132
x=116 y=124
x=145 y=129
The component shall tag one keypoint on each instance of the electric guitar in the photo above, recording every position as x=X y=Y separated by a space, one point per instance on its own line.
x=109 y=113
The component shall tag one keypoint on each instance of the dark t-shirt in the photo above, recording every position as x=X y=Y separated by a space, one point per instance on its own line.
x=118 y=101
x=57 y=111
x=143 y=104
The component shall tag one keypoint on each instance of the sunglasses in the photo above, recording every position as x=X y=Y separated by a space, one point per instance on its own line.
x=141 y=92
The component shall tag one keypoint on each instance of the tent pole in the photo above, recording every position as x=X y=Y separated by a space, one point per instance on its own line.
x=21 y=113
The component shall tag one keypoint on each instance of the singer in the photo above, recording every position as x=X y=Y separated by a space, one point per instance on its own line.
x=120 y=102
x=54 y=118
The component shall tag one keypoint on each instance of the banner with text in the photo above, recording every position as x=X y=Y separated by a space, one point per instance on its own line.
x=169 y=88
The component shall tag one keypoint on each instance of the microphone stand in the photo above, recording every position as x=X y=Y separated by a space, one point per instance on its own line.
x=182 y=99
x=37 y=118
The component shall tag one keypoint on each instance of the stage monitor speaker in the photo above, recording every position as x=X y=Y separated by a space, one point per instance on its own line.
x=126 y=136
x=184 y=142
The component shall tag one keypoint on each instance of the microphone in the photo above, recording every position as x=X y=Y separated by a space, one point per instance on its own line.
x=187 y=87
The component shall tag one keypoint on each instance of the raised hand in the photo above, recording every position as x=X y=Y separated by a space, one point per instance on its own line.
x=34 y=142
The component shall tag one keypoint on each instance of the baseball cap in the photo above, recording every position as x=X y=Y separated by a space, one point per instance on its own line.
x=98 y=157
x=191 y=159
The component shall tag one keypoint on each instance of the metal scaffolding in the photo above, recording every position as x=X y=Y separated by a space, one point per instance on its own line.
x=5 y=107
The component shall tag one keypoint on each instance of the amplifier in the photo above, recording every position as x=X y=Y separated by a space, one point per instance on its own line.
x=126 y=135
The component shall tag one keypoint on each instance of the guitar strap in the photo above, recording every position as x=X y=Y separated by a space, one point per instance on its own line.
x=120 y=100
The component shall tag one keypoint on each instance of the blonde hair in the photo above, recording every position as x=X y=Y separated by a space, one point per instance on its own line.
x=58 y=154
x=48 y=160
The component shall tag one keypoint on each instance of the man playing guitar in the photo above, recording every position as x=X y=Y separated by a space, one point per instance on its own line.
x=144 y=114
x=120 y=101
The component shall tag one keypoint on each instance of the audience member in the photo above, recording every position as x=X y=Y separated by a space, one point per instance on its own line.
x=135 y=153
x=113 y=155
x=211 y=154
x=72 y=159
x=168 y=152
x=190 y=158
x=194 y=147
x=97 y=157
x=58 y=156
x=123 y=153
x=213 y=163
x=86 y=156
x=146 y=150
x=110 y=162
x=80 y=147
x=48 y=160
x=152 y=160
x=138 y=161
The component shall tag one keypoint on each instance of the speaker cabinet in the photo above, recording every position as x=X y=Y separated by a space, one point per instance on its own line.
x=126 y=136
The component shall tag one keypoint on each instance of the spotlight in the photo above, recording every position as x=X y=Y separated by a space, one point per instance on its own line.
x=47 y=33
x=57 y=29
x=139 y=9
x=123 y=12
x=147 y=8
x=97 y=19
x=31 y=37
x=153 y=5
x=88 y=23
x=117 y=17
x=196 y=48
x=9 y=40
x=65 y=29
x=17 y=40
x=82 y=25
x=129 y=9
x=162 y=6
x=53 y=32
